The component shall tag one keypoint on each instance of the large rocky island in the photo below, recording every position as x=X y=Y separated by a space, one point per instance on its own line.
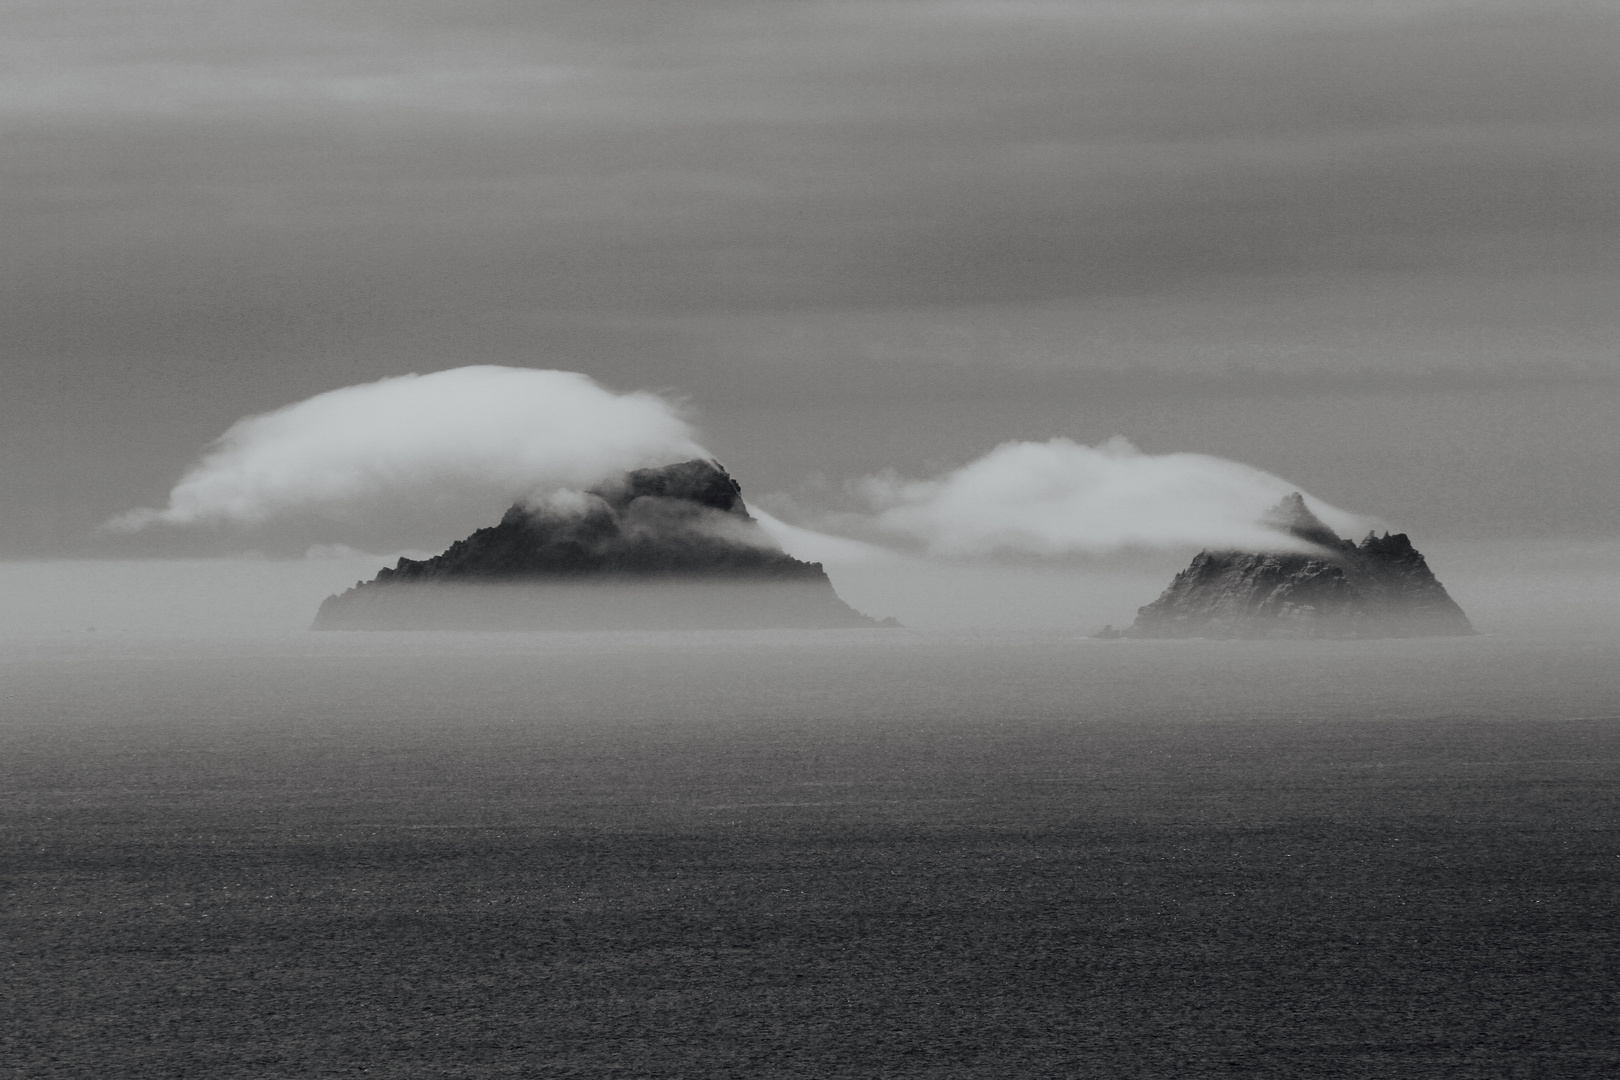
x=665 y=548
x=1381 y=587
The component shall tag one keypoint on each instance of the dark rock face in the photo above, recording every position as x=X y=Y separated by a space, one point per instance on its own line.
x=686 y=519
x=1379 y=588
x=659 y=549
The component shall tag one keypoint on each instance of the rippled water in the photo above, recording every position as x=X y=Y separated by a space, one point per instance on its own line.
x=837 y=853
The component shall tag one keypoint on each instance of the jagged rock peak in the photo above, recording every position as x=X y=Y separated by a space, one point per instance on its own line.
x=1380 y=588
x=697 y=482
x=703 y=482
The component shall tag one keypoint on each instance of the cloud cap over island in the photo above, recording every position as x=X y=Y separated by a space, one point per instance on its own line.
x=526 y=435
x=418 y=438
x=1059 y=498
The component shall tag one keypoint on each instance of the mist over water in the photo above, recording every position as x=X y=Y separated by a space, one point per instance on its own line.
x=1001 y=312
x=1563 y=588
x=958 y=853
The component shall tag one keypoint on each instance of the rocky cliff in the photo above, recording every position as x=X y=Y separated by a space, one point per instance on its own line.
x=663 y=548
x=1381 y=587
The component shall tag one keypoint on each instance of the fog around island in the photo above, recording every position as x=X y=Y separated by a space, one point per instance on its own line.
x=1047 y=534
x=1563 y=588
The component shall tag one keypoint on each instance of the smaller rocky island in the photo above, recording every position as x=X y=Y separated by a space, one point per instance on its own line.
x=1381 y=587
x=665 y=548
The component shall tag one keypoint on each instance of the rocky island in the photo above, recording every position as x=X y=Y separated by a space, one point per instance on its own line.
x=1381 y=587
x=664 y=548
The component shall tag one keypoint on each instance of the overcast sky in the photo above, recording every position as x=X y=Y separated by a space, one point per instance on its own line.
x=1372 y=247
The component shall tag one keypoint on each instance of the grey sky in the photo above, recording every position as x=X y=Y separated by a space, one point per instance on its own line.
x=856 y=234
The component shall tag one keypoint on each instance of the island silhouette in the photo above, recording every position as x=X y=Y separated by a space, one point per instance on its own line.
x=672 y=547
x=1382 y=587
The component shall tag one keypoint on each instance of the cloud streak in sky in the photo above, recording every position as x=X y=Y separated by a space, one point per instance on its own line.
x=1059 y=498
x=417 y=439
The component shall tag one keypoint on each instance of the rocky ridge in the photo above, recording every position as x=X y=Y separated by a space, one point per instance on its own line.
x=1381 y=587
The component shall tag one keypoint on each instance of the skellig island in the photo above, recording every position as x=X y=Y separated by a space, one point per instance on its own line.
x=1379 y=588
x=665 y=548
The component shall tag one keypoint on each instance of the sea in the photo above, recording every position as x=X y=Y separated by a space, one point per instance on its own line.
x=944 y=853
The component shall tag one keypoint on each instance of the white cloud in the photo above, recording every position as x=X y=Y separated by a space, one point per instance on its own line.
x=1059 y=497
x=418 y=439
x=543 y=437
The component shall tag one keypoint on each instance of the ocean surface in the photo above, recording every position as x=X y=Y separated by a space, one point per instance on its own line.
x=809 y=854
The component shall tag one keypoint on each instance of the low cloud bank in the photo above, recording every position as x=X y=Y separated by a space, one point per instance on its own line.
x=542 y=437
x=1059 y=498
x=414 y=439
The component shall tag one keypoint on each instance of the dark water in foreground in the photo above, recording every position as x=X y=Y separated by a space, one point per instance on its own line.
x=812 y=854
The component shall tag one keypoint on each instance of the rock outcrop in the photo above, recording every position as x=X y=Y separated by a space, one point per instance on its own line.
x=1381 y=587
x=665 y=548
